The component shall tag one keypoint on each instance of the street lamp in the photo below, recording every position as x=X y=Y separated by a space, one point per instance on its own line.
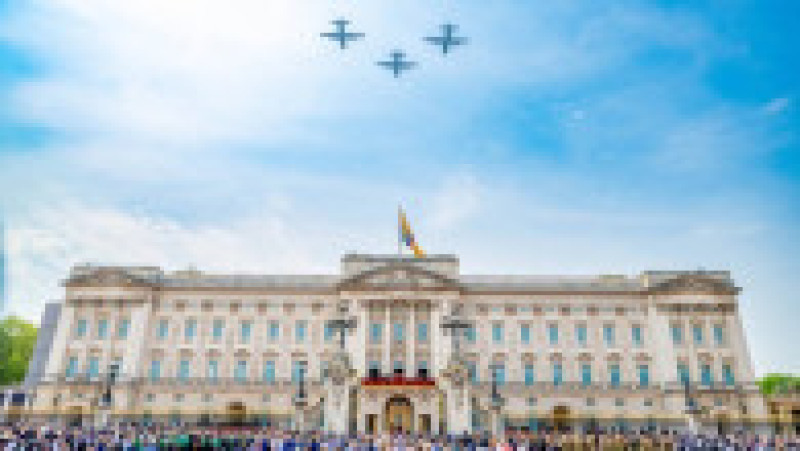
x=691 y=407
x=342 y=323
x=456 y=324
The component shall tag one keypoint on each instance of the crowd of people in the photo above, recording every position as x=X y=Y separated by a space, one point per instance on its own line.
x=133 y=437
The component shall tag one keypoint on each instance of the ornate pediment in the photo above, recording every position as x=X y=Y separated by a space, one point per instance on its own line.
x=398 y=277
x=696 y=284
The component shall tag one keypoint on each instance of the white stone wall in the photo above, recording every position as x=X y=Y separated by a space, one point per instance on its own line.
x=145 y=308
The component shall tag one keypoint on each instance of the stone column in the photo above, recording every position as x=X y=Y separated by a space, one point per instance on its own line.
x=358 y=347
x=412 y=337
x=387 y=339
x=436 y=363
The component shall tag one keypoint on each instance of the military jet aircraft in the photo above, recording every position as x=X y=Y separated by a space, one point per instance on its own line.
x=342 y=36
x=446 y=40
x=398 y=63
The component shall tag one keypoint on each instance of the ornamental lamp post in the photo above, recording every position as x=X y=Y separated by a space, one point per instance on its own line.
x=342 y=323
x=691 y=407
x=456 y=324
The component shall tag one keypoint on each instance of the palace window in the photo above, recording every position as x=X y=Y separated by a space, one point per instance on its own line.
x=497 y=333
x=558 y=374
x=636 y=335
x=80 y=330
x=269 y=371
x=677 y=334
x=217 y=329
x=397 y=367
x=422 y=368
x=500 y=373
x=683 y=374
x=697 y=333
x=472 y=334
x=183 y=370
x=472 y=370
x=529 y=374
x=240 y=374
x=274 y=330
x=102 y=329
x=93 y=370
x=525 y=334
x=581 y=334
x=163 y=329
x=328 y=332
x=586 y=374
x=375 y=332
x=644 y=375
x=190 y=329
x=247 y=327
x=705 y=374
x=374 y=369
x=300 y=331
x=399 y=334
x=552 y=333
x=422 y=332
x=608 y=335
x=719 y=335
x=72 y=367
x=124 y=326
x=213 y=370
x=614 y=374
x=155 y=370
x=727 y=374
x=298 y=371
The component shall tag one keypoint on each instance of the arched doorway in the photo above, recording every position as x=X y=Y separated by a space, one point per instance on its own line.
x=723 y=423
x=399 y=415
x=561 y=418
x=236 y=413
x=74 y=416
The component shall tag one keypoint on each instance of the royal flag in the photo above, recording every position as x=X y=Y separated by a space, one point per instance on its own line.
x=406 y=235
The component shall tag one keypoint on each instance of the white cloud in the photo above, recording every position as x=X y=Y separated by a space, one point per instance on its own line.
x=777 y=105
x=458 y=198
x=44 y=247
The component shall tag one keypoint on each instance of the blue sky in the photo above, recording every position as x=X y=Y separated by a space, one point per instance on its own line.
x=573 y=137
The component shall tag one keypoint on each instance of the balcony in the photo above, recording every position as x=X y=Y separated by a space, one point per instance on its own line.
x=397 y=381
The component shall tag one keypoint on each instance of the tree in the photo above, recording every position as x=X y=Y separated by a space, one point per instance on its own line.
x=5 y=354
x=779 y=383
x=17 y=342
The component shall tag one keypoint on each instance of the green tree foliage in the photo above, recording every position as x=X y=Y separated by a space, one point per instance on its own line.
x=779 y=383
x=17 y=342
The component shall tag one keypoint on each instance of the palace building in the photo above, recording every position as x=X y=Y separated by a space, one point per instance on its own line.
x=396 y=343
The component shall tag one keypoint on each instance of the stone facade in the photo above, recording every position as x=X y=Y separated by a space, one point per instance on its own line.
x=582 y=352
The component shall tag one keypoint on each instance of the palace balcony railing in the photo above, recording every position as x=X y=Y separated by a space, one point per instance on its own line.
x=397 y=381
